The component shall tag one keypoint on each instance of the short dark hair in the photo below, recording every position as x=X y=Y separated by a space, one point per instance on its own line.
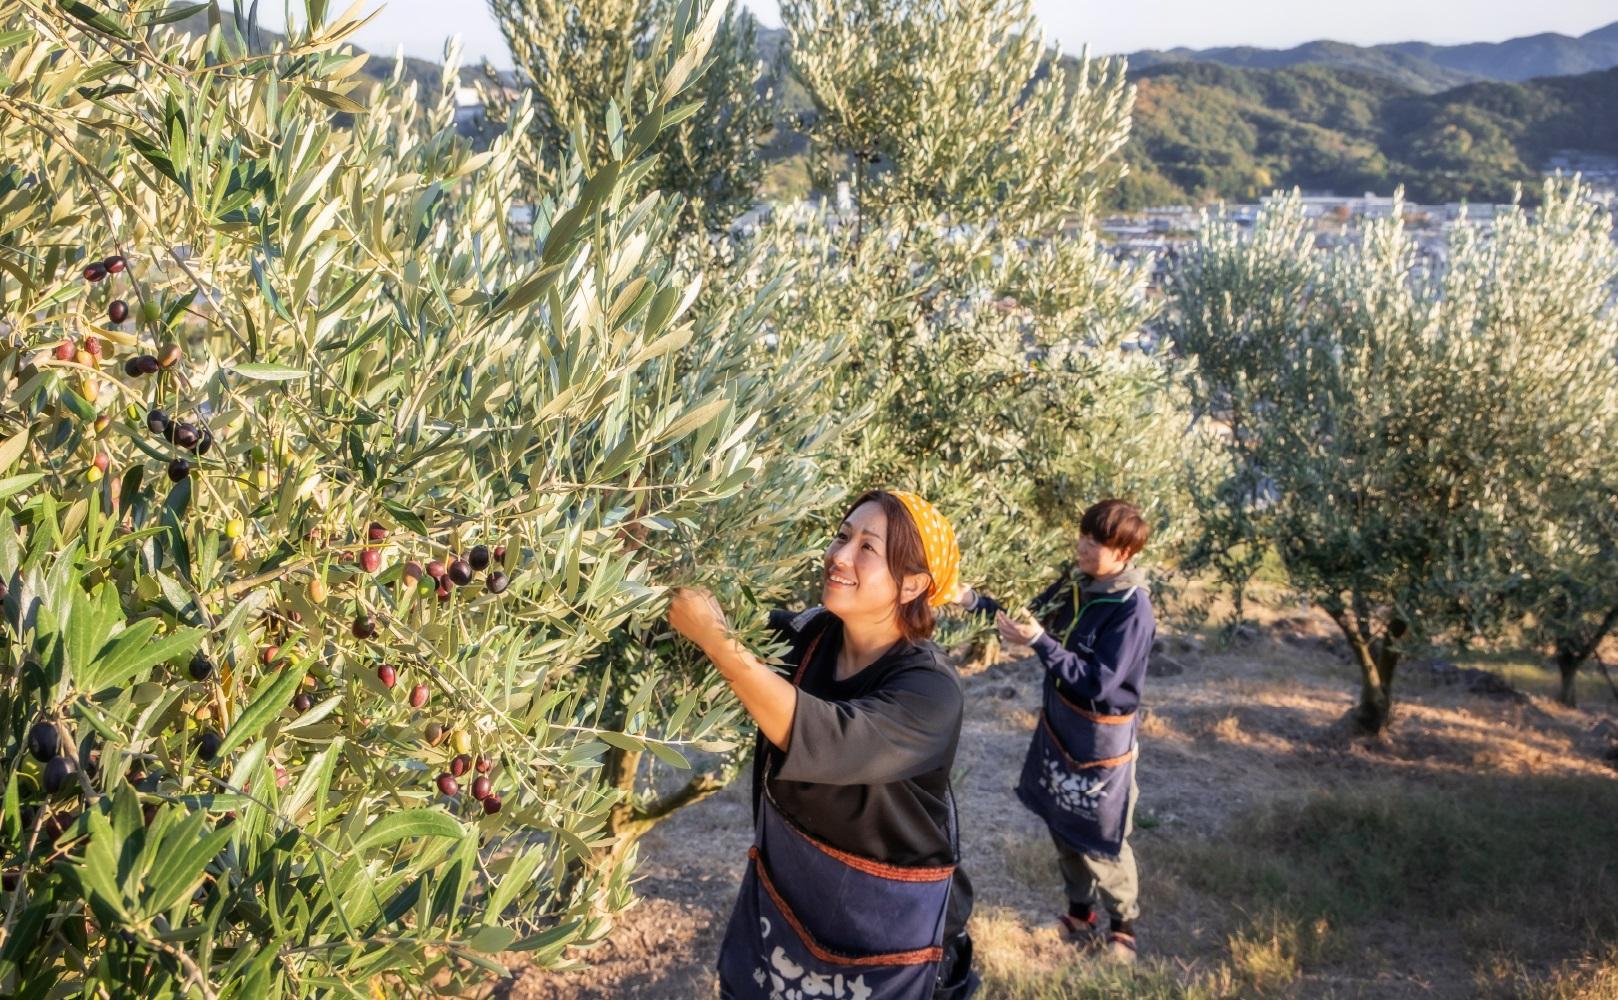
x=1116 y=524
x=906 y=556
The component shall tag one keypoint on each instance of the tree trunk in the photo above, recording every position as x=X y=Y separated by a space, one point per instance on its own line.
x=622 y=766
x=1377 y=659
x=1571 y=654
x=628 y=820
x=1568 y=666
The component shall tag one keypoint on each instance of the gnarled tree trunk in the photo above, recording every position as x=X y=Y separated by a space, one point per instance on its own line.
x=1376 y=657
x=629 y=818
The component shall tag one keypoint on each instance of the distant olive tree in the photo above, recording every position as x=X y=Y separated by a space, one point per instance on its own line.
x=1557 y=275
x=1235 y=296
x=1422 y=424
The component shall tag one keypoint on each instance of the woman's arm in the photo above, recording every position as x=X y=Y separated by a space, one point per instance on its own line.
x=975 y=602
x=769 y=698
x=1096 y=673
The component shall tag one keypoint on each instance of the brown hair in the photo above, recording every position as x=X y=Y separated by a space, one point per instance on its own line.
x=906 y=556
x=1116 y=524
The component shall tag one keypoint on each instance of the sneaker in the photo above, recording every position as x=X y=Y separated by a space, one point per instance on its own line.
x=1085 y=932
x=1120 y=948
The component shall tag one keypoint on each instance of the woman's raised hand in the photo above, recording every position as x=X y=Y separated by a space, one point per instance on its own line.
x=696 y=615
x=1015 y=633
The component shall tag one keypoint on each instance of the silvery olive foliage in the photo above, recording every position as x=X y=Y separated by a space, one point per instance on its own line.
x=330 y=488
x=577 y=60
x=1418 y=431
x=998 y=342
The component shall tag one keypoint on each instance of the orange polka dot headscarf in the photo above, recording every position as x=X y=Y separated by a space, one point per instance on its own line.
x=938 y=542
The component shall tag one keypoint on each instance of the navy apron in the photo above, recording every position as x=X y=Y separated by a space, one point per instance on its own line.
x=816 y=922
x=1078 y=774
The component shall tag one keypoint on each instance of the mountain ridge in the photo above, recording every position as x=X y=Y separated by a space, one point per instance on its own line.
x=1420 y=65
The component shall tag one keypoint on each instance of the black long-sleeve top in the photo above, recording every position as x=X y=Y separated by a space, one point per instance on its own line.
x=867 y=769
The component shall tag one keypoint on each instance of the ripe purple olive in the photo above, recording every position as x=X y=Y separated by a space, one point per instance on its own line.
x=117 y=311
x=208 y=745
x=375 y=532
x=363 y=627
x=95 y=272
x=158 y=422
x=44 y=742
x=479 y=557
x=443 y=592
x=491 y=805
x=460 y=765
x=65 y=351
x=185 y=435
x=482 y=787
x=204 y=441
x=460 y=572
x=419 y=695
x=483 y=765
x=179 y=469
x=201 y=668
x=302 y=702
x=497 y=583
x=371 y=560
x=448 y=785
x=387 y=675
x=57 y=773
x=115 y=264
x=435 y=569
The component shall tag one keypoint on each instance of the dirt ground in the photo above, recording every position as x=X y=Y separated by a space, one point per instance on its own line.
x=1226 y=730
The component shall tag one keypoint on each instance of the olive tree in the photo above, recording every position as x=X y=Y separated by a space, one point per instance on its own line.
x=326 y=489
x=1234 y=297
x=995 y=339
x=1414 y=418
x=1555 y=278
x=577 y=60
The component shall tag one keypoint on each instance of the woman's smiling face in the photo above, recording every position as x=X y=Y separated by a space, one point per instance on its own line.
x=858 y=582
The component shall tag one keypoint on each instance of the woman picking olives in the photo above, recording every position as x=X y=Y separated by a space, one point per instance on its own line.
x=853 y=889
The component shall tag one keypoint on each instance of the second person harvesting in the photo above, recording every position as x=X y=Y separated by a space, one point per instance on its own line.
x=1094 y=633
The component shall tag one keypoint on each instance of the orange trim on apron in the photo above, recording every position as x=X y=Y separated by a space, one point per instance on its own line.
x=1096 y=717
x=1056 y=741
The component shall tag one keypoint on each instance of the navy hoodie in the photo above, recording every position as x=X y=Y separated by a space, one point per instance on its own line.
x=1098 y=637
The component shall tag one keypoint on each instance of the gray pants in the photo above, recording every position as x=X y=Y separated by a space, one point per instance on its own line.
x=1115 y=880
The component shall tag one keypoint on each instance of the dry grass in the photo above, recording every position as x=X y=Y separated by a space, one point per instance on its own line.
x=1593 y=976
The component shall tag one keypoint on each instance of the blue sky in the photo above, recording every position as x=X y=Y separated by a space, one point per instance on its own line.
x=1107 y=25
